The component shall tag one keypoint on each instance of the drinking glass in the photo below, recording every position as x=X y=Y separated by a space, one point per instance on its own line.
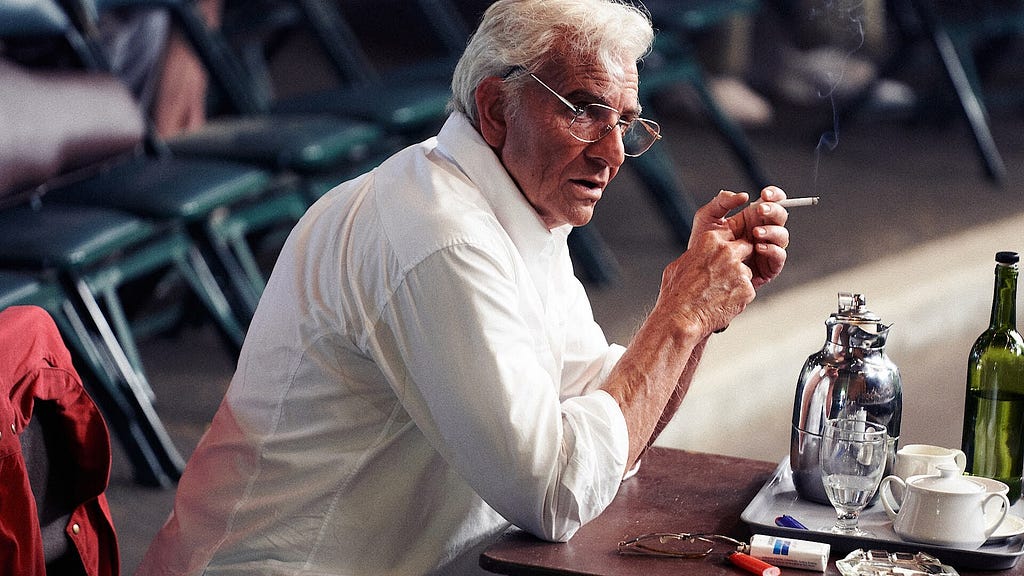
x=852 y=459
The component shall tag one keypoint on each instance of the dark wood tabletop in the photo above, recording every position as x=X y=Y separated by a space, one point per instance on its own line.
x=675 y=491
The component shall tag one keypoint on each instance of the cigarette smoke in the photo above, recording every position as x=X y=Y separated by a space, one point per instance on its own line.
x=845 y=19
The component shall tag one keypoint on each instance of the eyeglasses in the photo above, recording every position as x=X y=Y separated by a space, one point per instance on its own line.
x=591 y=122
x=682 y=545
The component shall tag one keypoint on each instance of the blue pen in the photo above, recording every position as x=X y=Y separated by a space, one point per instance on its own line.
x=787 y=521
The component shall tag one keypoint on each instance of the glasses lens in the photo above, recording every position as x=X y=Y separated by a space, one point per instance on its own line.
x=592 y=122
x=595 y=121
x=639 y=136
x=677 y=545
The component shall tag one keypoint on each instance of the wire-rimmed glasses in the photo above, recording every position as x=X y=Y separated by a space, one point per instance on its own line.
x=680 y=545
x=591 y=122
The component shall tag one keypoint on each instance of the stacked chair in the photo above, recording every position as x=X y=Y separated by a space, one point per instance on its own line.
x=100 y=207
x=408 y=102
x=109 y=376
x=297 y=149
x=69 y=258
x=955 y=33
x=410 y=96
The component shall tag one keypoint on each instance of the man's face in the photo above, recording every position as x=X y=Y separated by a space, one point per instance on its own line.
x=560 y=176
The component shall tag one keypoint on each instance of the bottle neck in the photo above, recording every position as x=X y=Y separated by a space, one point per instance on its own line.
x=1004 y=300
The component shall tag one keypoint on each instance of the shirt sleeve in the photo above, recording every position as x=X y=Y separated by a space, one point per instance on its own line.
x=465 y=362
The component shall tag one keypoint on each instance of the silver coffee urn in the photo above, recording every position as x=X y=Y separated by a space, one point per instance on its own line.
x=851 y=377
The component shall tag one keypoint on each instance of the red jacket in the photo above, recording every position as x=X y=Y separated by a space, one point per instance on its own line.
x=35 y=364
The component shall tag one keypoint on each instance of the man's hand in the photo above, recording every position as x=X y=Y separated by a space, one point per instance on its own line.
x=763 y=224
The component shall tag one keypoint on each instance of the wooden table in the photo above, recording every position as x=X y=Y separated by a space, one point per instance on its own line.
x=675 y=491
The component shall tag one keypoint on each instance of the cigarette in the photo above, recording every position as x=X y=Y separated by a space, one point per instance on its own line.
x=796 y=202
x=787 y=203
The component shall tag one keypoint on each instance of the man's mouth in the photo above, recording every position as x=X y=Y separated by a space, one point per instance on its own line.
x=592 y=188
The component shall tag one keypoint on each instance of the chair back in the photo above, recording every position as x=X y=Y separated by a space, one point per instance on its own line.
x=226 y=72
x=33 y=19
x=60 y=124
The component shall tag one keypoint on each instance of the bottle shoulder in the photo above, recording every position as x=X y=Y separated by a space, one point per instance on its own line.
x=999 y=338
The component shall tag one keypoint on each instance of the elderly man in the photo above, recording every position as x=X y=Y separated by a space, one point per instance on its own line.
x=424 y=370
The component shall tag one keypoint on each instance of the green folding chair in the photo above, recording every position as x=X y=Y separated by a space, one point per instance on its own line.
x=956 y=32
x=409 y=101
x=109 y=377
x=221 y=199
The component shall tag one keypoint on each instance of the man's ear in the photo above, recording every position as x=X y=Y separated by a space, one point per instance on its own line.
x=490 y=107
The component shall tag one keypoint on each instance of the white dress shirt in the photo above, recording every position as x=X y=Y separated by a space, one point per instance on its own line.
x=421 y=373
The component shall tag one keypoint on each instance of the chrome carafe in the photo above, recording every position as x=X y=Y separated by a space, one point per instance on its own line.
x=851 y=376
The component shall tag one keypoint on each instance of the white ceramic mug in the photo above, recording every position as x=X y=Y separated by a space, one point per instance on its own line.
x=947 y=509
x=921 y=459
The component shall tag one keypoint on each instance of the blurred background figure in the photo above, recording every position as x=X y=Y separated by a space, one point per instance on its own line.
x=795 y=53
x=150 y=54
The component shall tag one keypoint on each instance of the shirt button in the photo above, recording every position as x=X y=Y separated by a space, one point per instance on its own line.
x=76 y=528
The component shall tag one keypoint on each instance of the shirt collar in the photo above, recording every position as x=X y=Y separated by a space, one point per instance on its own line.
x=460 y=141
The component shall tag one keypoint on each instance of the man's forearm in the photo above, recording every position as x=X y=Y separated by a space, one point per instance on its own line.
x=651 y=378
x=682 y=387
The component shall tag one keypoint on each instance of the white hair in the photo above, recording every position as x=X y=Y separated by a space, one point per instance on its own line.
x=528 y=33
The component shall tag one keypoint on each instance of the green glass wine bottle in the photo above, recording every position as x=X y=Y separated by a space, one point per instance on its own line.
x=993 y=435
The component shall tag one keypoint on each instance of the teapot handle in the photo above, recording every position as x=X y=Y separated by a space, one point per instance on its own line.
x=890 y=510
x=991 y=528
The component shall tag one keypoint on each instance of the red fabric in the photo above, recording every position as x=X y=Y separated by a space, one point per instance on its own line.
x=35 y=364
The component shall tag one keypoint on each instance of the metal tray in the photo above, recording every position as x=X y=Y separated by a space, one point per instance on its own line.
x=778 y=497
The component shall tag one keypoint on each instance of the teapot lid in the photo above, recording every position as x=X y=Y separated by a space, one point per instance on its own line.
x=949 y=480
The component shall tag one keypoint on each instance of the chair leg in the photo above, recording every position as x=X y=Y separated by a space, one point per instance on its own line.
x=197 y=273
x=971 y=104
x=243 y=274
x=596 y=260
x=655 y=170
x=337 y=40
x=733 y=134
x=229 y=239
x=122 y=328
x=126 y=395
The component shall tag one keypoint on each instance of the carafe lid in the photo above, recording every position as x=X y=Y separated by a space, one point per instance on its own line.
x=854 y=326
x=853 y=308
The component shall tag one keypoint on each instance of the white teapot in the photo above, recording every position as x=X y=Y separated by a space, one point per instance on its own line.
x=947 y=509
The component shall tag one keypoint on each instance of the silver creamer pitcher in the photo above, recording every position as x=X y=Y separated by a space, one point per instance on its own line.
x=850 y=377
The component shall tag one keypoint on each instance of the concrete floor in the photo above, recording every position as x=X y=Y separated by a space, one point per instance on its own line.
x=906 y=217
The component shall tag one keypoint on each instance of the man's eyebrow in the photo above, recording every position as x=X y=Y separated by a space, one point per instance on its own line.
x=586 y=97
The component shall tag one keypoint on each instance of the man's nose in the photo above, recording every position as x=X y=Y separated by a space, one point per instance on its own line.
x=609 y=149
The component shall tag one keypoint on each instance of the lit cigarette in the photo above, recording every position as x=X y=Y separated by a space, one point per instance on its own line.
x=797 y=202
x=790 y=202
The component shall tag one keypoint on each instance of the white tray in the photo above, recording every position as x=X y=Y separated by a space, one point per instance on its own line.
x=778 y=497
